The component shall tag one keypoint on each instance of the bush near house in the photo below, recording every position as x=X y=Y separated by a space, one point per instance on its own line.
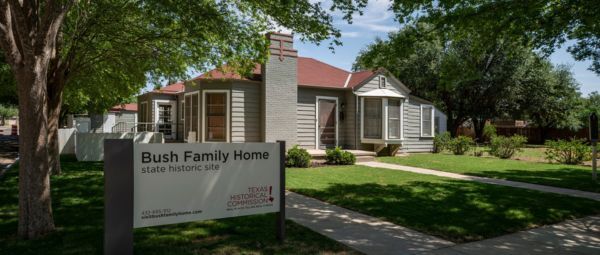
x=338 y=156
x=460 y=145
x=489 y=132
x=441 y=142
x=505 y=147
x=571 y=152
x=297 y=157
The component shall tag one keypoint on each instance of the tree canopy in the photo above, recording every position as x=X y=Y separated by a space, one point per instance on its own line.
x=97 y=52
x=470 y=82
x=544 y=23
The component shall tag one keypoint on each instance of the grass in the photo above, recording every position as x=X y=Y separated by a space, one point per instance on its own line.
x=78 y=213
x=460 y=211
x=558 y=175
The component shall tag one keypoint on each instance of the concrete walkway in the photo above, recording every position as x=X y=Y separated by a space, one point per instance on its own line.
x=361 y=232
x=563 y=191
x=581 y=236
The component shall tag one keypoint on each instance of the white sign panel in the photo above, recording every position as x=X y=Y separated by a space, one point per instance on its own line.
x=176 y=183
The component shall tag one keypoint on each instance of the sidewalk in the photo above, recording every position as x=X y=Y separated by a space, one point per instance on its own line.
x=563 y=191
x=361 y=232
x=581 y=236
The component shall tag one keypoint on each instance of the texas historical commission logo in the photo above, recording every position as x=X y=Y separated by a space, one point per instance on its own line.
x=254 y=197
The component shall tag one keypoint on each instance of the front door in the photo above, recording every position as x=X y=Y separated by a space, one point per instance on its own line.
x=326 y=123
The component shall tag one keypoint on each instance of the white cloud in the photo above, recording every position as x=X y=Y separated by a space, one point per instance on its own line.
x=377 y=17
x=350 y=34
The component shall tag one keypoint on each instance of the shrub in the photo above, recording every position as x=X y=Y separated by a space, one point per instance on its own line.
x=489 y=131
x=506 y=147
x=460 y=145
x=568 y=152
x=338 y=156
x=441 y=142
x=297 y=157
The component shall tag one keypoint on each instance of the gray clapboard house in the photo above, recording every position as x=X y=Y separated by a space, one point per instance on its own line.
x=300 y=100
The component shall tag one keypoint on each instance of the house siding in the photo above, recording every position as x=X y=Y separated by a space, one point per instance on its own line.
x=306 y=112
x=413 y=142
x=245 y=112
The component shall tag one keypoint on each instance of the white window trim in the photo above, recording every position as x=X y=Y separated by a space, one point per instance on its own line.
x=383 y=82
x=432 y=120
x=337 y=119
x=385 y=136
x=173 y=105
x=196 y=93
x=227 y=114
x=401 y=121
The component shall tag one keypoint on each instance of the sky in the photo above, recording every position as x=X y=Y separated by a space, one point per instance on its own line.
x=378 y=21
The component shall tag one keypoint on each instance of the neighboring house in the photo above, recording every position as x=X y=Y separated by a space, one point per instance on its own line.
x=119 y=118
x=300 y=100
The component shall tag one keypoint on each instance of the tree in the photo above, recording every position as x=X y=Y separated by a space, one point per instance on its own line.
x=545 y=23
x=550 y=98
x=464 y=81
x=8 y=88
x=6 y=112
x=111 y=47
x=591 y=104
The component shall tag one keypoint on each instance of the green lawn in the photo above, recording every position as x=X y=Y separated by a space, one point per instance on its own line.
x=566 y=176
x=78 y=212
x=455 y=210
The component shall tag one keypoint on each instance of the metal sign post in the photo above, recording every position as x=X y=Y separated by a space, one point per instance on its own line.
x=594 y=140
x=281 y=214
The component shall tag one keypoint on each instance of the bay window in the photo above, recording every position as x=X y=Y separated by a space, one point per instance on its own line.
x=427 y=122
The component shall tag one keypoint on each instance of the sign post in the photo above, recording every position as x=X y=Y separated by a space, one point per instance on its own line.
x=157 y=184
x=594 y=140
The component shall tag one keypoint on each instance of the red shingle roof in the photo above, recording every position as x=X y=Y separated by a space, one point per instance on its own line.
x=172 y=88
x=311 y=72
x=125 y=107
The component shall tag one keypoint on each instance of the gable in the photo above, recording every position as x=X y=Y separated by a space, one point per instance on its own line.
x=373 y=83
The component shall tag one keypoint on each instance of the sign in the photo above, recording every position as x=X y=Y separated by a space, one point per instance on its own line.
x=176 y=183
x=156 y=184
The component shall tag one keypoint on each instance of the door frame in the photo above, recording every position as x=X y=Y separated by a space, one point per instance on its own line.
x=227 y=113
x=337 y=119
x=173 y=104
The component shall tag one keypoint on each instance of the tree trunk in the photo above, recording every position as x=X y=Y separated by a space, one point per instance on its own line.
x=453 y=125
x=478 y=125
x=35 y=205
x=54 y=103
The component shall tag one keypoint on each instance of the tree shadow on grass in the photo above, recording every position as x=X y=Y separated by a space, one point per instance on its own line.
x=459 y=211
x=564 y=177
x=78 y=206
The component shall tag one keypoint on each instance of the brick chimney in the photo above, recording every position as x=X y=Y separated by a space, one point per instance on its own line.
x=280 y=90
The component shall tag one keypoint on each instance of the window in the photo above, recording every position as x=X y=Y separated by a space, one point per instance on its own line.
x=164 y=119
x=372 y=118
x=181 y=107
x=394 y=123
x=427 y=120
x=215 y=121
x=382 y=82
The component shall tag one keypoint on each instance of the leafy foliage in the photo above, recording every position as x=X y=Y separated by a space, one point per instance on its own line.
x=489 y=131
x=337 y=156
x=441 y=142
x=460 y=145
x=545 y=24
x=571 y=152
x=505 y=147
x=297 y=157
x=7 y=111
